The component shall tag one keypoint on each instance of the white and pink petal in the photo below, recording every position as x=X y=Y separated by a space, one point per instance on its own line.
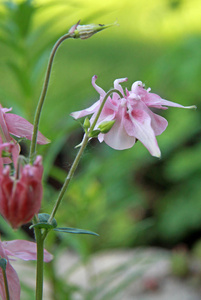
x=20 y=127
x=24 y=250
x=85 y=112
x=117 y=85
x=97 y=88
x=12 y=278
x=153 y=100
x=117 y=138
x=143 y=131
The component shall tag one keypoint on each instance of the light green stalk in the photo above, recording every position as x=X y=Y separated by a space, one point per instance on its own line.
x=77 y=31
x=6 y=285
x=42 y=96
x=79 y=154
x=40 y=264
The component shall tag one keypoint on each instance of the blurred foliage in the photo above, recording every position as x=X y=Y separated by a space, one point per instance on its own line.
x=180 y=263
x=128 y=197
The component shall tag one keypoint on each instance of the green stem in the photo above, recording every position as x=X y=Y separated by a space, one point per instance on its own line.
x=43 y=94
x=6 y=285
x=40 y=263
x=40 y=237
x=38 y=234
x=69 y=177
x=78 y=156
x=102 y=104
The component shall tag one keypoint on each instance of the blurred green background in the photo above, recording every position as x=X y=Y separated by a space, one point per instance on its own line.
x=128 y=197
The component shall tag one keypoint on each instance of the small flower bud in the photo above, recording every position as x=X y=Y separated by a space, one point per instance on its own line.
x=86 y=31
x=94 y=133
x=106 y=126
x=86 y=124
x=20 y=196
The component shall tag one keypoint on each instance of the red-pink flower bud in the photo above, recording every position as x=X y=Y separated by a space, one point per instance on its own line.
x=20 y=199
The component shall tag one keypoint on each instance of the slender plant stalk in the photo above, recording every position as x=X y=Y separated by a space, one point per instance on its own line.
x=6 y=285
x=40 y=237
x=40 y=264
x=79 y=154
x=42 y=96
x=38 y=233
x=69 y=177
x=102 y=104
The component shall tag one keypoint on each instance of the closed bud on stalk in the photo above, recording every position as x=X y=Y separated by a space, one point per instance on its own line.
x=86 y=124
x=86 y=31
x=94 y=133
x=106 y=126
x=20 y=196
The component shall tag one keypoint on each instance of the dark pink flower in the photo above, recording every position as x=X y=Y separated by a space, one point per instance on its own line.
x=20 y=249
x=20 y=195
x=11 y=124
x=134 y=120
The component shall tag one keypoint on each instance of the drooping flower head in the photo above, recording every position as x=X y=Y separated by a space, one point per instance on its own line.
x=21 y=194
x=134 y=120
x=11 y=124
x=16 y=249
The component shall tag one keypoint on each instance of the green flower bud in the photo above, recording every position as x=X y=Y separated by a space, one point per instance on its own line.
x=94 y=133
x=86 y=124
x=106 y=126
x=86 y=31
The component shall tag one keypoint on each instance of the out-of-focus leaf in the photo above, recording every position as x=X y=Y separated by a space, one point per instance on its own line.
x=184 y=164
x=180 y=211
x=23 y=16
x=21 y=76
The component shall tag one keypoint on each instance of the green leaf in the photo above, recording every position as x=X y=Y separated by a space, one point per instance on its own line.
x=3 y=263
x=42 y=225
x=74 y=230
x=43 y=218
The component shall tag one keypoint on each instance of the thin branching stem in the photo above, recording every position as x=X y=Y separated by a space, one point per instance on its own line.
x=43 y=95
x=79 y=154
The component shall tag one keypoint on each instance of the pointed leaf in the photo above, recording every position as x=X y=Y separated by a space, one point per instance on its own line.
x=42 y=225
x=74 y=230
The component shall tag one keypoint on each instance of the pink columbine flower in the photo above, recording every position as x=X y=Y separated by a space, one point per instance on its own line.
x=134 y=120
x=11 y=124
x=19 y=249
x=21 y=194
